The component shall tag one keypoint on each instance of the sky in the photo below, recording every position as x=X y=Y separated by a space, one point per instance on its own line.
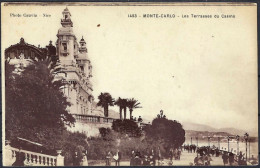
x=200 y=70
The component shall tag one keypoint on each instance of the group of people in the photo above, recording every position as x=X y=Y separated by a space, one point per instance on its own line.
x=230 y=159
x=146 y=158
x=205 y=153
x=134 y=119
x=116 y=157
x=203 y=157
x=190 y=148
x=80 y=160
x=175 y=153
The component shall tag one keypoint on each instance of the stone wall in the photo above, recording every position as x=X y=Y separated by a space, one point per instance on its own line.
x=90 y=129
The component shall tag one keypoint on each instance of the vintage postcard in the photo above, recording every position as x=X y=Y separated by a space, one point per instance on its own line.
x=129 y=84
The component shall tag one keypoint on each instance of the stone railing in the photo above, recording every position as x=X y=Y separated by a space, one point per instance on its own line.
x=99 y=119
x=108 y=120
x=31 y=158
x=86 y=118
x=92 y=119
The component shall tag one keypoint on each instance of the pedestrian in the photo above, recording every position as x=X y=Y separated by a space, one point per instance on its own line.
x=108 y=158
x=231 y=159
x=146 y=161
x=85 y=159
x=152 y=157
x=20 y=158
x=76 y=159
x=117 y=158
x=240 y=159
x=159 y=156
x=244 y=160
x=179 y=154
x=196 y=159
x=140 y=119
x=194 y=148
x=132 y=157
x=225 y=158
x=207 y=160
x=137 y=160
x=171 y=154
x=217 y=152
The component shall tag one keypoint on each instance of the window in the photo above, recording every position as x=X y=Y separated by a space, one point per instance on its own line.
x=66 y=16
x=82 y=68
x=64 y=46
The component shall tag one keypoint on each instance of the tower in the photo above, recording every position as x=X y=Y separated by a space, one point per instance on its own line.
x=76 y=67
x=67 y=46
x=83 y=60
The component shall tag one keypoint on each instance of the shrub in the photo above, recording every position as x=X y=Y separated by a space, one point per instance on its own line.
x=126 y=127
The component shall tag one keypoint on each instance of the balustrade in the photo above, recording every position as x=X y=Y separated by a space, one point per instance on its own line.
x=32 y=158
x=87 y=118
x=92 y=119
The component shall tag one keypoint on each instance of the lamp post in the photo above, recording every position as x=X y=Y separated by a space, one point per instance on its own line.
x=249 y=148
x=191 y=140
x=228 y=138
x=237 y=137
x=246 y=139
x=197 y=146
x=209 y=140
x=197 y=141
x=219 y=143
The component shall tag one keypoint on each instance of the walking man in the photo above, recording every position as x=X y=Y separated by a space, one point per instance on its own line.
x=117 y=158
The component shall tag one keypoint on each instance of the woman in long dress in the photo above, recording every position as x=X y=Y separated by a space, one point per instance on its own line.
x=85 y=159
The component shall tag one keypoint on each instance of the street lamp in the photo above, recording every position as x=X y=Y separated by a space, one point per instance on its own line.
x=228 y=138
x=197 y=141
x=219 y=143
x=191 y=140
x=197 y=146
x=246 y=139
x=209 y=140
x=237 y=137
x=249 y=148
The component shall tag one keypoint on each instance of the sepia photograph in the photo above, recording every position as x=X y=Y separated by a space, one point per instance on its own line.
x=129 y=84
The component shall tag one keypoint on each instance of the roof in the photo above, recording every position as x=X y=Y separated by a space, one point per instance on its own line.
x=40 y=52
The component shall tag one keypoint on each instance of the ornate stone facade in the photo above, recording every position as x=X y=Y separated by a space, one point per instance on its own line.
x=77 y=68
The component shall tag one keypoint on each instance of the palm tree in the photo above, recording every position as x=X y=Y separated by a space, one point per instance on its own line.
x=120 y=103
x=124 y=105
x=105 y=100
x=132 y=104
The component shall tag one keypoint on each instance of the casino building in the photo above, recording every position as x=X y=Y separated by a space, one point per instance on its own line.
x=76 y=74
x=73 y=57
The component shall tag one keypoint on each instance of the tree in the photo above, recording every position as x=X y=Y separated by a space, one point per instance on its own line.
x=105 y=100
x=128 y=127
x=36 y=108
x=119 y=103
x=124 y=106
x=132 y=104
x=166 y=133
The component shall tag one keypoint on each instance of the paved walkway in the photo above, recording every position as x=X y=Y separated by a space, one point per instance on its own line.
x=186 y=159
